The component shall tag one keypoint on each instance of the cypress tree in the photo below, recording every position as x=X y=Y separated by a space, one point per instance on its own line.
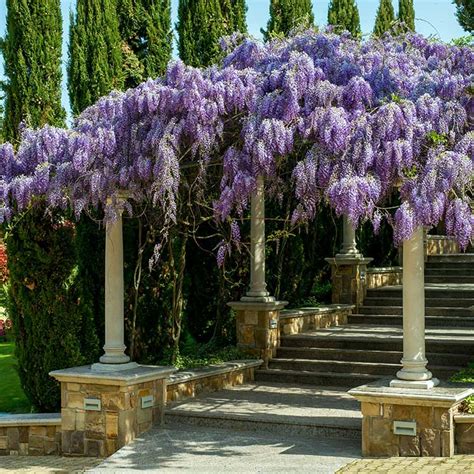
x=95 y=64
x=145 y=29
x=465 y=14
x=344 y=15
x=286 y=15
x=51 y=330
x=406 y=13
x=201 y=23
x=385 y=17
x=32 y=57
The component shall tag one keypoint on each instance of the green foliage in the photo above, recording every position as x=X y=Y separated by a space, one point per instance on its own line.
x=465 y=14
x=286 y=15
x=467 y=40
x=466 y=376
x=201 y=23
x=193 y=355
x=12 y=397
x=52 y=329
x=406 y=13
x=344 y=15
x=32 y=55
x=145 y=29
x=385 y=17
x=436 y=139
x=95 y=64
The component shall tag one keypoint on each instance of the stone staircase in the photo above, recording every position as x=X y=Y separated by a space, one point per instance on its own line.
x=370 y=345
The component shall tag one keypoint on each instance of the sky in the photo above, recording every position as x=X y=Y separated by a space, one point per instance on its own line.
x=433 y=17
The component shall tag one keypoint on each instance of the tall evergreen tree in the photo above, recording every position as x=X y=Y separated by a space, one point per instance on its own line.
x=344 y=15
x=201 y=23
x=145 y=29
x=51 y=329
x=406 y=13
x=385 y=17
x=95 y=64
x=465 y=14
x=32 y=54
x=286 y=15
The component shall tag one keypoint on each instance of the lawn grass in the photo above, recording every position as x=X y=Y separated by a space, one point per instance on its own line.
x=12 y=398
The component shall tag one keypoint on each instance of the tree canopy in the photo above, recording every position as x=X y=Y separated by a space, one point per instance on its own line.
x=465 y=14
x=343 y=15
x=385 y=17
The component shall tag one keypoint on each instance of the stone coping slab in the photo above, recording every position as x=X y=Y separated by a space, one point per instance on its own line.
x=304 y=311
x=215 y=369
x=345 y=260
x=140 y=374
x=445 y=394
x=464 y=418
x=30 y=419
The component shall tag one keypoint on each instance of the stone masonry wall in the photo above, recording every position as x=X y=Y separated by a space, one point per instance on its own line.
x=191 y=388
x=30 y=440
x=378 y=277
x=308 y=319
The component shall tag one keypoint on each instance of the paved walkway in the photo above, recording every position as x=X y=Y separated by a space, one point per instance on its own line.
x=45 y=464
x=216 y=450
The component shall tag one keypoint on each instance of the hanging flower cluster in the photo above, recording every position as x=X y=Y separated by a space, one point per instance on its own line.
x=371 y=116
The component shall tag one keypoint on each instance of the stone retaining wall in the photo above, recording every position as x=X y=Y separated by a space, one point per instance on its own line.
x=294 y=321
x=32 y=434
x=189 y=383
x=383 y=276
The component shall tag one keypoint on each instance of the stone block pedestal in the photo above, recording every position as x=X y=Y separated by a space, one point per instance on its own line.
x=102 y=412
x=408 y=422
x=348 y=277
x=258 y=332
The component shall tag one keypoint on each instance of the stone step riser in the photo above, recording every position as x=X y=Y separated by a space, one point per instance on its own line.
x=455 y=259
x=448 y=279
x=430 y=294
x=377 y=344
x=346 y=381
x=355 y=368
x=451 y=270
x=449 y=266
x=395 y=320
x=429 y=302
x=398 y=310
x=383 y=357
x=264 y=426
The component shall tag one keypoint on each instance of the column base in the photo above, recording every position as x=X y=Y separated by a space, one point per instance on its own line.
x=415 y=384
x=107 y=368
x=258 y=299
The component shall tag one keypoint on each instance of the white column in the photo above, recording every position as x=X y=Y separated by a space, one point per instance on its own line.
x=114 y=294
x=414 y=373
x=258 y=286
x=349 y=244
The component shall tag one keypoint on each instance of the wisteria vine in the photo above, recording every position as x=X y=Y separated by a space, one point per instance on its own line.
x=372 y=116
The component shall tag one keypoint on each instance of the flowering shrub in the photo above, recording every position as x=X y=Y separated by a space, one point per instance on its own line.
x=362 y=118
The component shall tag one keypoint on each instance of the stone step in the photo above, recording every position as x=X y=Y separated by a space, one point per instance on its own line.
x=452 y=258
x=390 y=338
x=429 y=302
x=380 y=369
x=463 y=267
x=273 y=407
x=364 y=355
x=346 y=380
x=435 y=311
x=397 y=320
